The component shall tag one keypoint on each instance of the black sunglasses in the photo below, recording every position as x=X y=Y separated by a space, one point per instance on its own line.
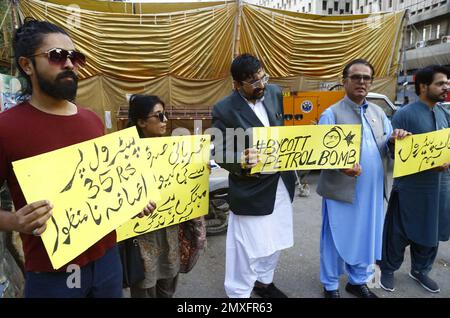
x=161 y=116
x=59 y=56
x=356 y=78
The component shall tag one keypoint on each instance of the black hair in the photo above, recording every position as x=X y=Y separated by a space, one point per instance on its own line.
x=244 y=66
x=426 y=75
x=357 y=61
x=27 y=39
x=140 y=107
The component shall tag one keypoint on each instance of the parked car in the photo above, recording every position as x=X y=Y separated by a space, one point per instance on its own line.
x=384 y=102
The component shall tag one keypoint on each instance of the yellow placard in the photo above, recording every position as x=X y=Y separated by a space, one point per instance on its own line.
x=178 y=167
x=421 y=152
x=95 y=186
x=306 y=147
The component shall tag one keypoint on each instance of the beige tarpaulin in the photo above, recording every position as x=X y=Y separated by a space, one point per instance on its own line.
x=135 y=7
x=184 y=55
x=300 y=45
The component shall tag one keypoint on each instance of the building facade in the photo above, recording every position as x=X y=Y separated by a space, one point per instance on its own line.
x=427 y=36
x=322 y=7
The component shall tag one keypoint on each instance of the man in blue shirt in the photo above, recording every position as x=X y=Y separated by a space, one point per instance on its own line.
x=419 y=207
x=352 y=205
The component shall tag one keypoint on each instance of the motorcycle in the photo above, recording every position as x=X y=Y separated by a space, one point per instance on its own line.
x=217 y=217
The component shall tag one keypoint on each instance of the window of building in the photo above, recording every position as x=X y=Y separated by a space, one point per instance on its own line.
x=427 y=8
x=401 y=1
x=347 y=7
x=341 y=11
x=426 y=35
x=330 y=11
x=361 y=9
x=336 y=6
x=390 y=4
x=435 y=32
x=366 y=2
x=309 y=7
x=435 y=5
x=303 y=9
x=419 y=11
x=442 y=2
x=357 y=3
x=324 y=5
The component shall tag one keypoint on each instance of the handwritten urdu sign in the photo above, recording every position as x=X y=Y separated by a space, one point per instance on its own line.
x=306 y=147
x=95 y=186
x=178 y=166
x=421 y=152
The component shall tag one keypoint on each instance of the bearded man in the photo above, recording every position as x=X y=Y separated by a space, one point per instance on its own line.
x=418 y=213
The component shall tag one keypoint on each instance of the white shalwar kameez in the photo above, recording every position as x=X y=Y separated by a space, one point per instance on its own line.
x=254 y=242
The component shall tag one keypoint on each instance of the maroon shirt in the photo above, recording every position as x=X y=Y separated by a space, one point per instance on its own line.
x=25 y=132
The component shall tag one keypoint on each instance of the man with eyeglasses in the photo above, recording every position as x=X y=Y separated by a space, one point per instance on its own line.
x=418 y=213
x=260 y=223
x=352 y=204
x=48 y=120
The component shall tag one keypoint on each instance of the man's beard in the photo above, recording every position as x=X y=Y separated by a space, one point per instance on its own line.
x=257 y=94
x=60 y=88
x=435 y=98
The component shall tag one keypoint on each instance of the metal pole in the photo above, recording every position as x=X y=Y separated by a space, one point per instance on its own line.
x=15 y=24
x=237 y=29
x=405 y=73
x=14 y=14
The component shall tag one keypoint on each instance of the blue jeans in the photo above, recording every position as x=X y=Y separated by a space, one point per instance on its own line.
x=99 y=279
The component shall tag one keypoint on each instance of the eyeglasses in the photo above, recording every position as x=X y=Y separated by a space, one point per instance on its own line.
x=59 y=56
x=356 y=78
x=161 y=116
x=263 y=81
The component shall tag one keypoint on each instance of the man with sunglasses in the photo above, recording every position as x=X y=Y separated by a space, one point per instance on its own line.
x=48 y=120
x=260 y=223
x=352 y=205
x=418 y=212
